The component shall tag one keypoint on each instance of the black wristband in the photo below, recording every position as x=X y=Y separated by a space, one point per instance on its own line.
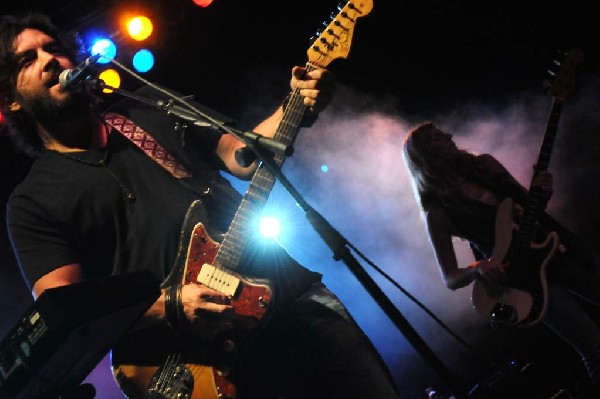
x=174 y=306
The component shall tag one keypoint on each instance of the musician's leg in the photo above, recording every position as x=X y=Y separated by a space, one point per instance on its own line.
x=350 y=365
x=582 y=279
x=567 y=318
x=316 y=350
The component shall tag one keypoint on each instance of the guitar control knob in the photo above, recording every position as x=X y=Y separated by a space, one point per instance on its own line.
x=262 y=302
x=503 y=314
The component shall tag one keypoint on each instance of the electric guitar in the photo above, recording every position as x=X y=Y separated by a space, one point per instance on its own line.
x=168 y=366
x=523 y=301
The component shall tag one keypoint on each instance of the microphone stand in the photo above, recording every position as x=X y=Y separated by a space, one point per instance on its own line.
x=199 y=118
x=264 y=148
x=339 y=246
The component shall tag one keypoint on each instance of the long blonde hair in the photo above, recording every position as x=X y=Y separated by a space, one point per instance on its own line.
x=435 y=178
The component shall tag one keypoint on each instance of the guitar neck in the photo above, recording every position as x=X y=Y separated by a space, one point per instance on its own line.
x=233 y=244
x=548 y=142
x=535 y=201
x=331 y=43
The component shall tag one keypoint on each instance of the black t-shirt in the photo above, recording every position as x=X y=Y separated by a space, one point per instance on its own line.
x=75 y=208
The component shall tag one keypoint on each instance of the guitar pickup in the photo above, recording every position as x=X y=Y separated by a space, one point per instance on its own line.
x=218 y=280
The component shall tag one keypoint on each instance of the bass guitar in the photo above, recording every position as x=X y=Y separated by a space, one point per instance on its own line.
x=525 y=246
x=174 y=366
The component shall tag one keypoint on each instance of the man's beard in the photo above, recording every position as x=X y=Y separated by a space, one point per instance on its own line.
x=67 y=121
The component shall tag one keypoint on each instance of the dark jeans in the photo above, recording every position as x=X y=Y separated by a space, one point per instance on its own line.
x=313 y=349
x=573 y=283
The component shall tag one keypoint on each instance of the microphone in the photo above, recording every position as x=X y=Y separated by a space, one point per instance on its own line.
x=71 y=77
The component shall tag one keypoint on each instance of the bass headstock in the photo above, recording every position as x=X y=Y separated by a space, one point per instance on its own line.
x=563 y=81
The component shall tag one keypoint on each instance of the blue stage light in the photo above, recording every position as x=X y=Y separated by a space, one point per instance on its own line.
x=143 y=60
x=104 y=47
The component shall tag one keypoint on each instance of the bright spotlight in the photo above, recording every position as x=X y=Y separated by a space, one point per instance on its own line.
x=106 y=48
x=203 y=3
x=269 y=226
x=110 y=77
x=139 y=28
x=324 y=168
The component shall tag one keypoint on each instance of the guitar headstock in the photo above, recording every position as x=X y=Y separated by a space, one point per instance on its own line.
x=335 y=40
x=564 y=80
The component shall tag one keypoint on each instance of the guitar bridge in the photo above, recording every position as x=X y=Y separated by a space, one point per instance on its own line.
x=172 y=381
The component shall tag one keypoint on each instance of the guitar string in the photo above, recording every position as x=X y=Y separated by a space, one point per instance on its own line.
x=161 y=378
x=169 y=370
x=291 y=118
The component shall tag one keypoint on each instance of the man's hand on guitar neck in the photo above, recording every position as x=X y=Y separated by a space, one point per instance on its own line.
x=317 y=87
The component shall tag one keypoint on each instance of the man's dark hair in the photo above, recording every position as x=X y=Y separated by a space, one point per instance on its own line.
x=20 y=127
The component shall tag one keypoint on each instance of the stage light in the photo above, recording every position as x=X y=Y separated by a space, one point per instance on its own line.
x=110 y=77
x=203 y=3
x=324 y=168
x=269 y=227
x=139 y=28
x=104 y=47
x=143 y=60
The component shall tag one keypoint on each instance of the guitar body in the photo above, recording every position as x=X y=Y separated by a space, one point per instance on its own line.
x=134 y=381
x=523 y=302
x=190 y=367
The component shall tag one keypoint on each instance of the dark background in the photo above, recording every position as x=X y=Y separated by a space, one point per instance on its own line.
x=475 y=68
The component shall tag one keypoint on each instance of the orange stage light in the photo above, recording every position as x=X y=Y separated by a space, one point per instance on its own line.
x=139 y=28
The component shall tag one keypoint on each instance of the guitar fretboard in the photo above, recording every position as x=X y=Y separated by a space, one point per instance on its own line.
x=234 y=242
x=535 y=200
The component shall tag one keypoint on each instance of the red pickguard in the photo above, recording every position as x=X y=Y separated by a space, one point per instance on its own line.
x=249 y=299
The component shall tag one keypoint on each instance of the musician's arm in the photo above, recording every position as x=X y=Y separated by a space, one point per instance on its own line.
x=229 y=144
x=316 y=87
x=440 y=235
x=542 y=180
x=64 y=275
x=500 y=172
x=71 y=274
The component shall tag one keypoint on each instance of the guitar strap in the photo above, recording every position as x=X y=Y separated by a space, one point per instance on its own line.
x=146 y=143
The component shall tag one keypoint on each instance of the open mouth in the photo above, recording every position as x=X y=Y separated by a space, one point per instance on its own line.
x=52 y=81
